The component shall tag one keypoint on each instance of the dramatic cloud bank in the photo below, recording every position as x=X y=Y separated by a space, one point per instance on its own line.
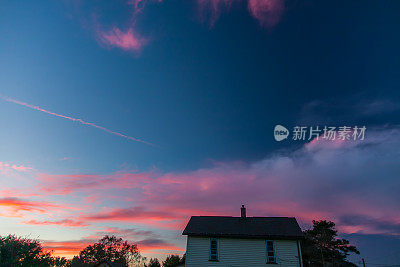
x=354 y=183
x=323 y=179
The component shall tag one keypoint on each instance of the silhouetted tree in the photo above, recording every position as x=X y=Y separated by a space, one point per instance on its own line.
x=321 y=246
x=108 y=248
x=19 y=251
x=78 y=262
x=59 y=261
x=173 y=260
x=154 y=263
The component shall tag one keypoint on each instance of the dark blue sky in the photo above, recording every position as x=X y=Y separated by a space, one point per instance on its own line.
x=196 y=91
x=203 y=87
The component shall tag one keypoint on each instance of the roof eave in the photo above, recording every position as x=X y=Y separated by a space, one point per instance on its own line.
x=281 y=237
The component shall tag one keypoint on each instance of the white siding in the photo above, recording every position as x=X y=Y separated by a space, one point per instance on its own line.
x=240 y=252
x=286 y=253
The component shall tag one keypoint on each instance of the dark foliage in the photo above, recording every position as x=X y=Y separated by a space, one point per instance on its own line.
x=321 y=246
x=108 y=248
x=19 y=251
x=173 y=260
x=153 y=263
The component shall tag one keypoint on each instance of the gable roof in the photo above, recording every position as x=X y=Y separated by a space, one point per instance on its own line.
x=249 y=227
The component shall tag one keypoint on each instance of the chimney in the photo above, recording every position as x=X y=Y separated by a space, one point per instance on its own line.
x=243 y=212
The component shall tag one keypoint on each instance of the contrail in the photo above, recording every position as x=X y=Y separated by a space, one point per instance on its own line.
x=73 y=119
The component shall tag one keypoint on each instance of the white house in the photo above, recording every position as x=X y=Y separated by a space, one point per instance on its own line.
x=243 y=241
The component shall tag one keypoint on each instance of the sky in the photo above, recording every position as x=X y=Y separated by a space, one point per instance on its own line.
x=128 y=117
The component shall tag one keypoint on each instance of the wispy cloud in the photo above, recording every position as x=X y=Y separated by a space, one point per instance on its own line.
x=123 y=34
x=146 y=240
x=117 y=32
x=129 y=233
x=136 y=214
x=74 y=119
x=267 y=12
x=210 y=10
x=13 y=206
x=156 y=243
x=335 y=111
x=127 y=40
x=65 y=158
x=65 y=222
x=67 y=248
x=379 y=106
x=65 y=184
x=8 y=168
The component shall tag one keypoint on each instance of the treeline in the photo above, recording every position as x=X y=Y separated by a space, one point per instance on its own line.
x=26 y=252
x=321 y=247
x=170 y=261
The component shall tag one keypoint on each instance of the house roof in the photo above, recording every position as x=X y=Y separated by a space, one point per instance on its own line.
x=248 y=227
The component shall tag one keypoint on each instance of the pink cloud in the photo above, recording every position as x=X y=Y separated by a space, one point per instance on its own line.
x=352 y=183
x=321 y=180
x=126 y=40
x=211 y=9
x=136 y=215
x=20 y=168
x=129 y=233
x=267 y=12
x=147 y=241
x=124 y=34
x=317 y=181
x=67 y=248
x=9 y=168
x=65 y=222
x=65 y=184
x=147 y=245
x=7 y=192
x=14 y=206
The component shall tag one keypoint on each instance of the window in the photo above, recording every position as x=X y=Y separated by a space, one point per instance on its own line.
x=271 y=252
x=213 y=249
